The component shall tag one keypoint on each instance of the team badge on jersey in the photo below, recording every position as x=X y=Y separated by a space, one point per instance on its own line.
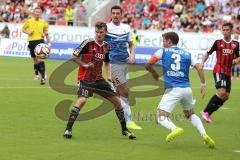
x=233 y=46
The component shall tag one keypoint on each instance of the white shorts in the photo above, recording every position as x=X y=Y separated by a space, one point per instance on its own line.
x=119 y=73
x=173 y=96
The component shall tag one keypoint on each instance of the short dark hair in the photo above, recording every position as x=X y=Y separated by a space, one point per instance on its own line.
x=100 y=25
x=173 y=36
x=116 y=7
x=38 y=8
x=230 y=25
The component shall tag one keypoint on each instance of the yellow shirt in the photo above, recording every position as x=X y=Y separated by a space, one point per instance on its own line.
x=69 y=14
x=38 y=27
x=135 y=39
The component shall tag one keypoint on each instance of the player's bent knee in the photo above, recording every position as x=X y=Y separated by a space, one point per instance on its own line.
x=221 y=93
x=162 y=113
x=115 y=101
x=161 y=116
x=123 y=90
x=188 y=113
x=81 y=101
x=226 y=97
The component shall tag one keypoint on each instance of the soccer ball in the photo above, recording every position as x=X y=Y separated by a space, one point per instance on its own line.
x=42 y=50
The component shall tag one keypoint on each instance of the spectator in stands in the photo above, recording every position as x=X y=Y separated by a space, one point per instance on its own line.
x=146 y=23
x=200 y=7
x=139 y=6
x=210 y=13
x=178 y=9
x=69 y=15
x=5 y=33
x=136 y=39
x=54 y=14
x=79 y=13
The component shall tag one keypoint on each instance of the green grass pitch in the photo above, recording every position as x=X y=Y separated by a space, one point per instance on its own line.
x=30 y=130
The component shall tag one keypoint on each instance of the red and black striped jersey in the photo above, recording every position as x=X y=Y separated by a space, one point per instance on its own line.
x=225 y=53
x=90 y=51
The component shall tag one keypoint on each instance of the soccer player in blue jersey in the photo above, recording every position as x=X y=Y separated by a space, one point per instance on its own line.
x=176 y=63
x=119 y=37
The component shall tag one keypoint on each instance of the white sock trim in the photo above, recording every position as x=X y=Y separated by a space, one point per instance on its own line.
x=126 y=109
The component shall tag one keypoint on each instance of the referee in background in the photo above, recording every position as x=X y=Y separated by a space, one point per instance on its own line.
x=37 y=29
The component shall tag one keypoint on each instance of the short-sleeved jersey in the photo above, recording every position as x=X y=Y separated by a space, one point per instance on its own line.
x=90 y=51
x=225 y=53
x=176 y=63
x=39 y=27
x=118 y=38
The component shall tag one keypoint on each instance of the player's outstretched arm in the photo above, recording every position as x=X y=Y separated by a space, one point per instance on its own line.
x=149 y=67
x=82 y=64
x=131 y=59
x=202 y=78
x=107 y=68
x=27 y=32
x=204 y=59
x=27 y=29
x=47 y=38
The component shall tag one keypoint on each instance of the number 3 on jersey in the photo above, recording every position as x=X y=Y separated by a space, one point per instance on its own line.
x=176 y=65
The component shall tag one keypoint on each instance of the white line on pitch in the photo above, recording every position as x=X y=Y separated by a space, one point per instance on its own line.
x=225 y=108
x=237 y=151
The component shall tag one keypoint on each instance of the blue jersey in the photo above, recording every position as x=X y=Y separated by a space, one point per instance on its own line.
x=176 y=63
x=118 y=38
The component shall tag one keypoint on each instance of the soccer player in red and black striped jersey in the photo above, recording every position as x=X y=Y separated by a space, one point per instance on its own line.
x=227 y=53
x=90 y=56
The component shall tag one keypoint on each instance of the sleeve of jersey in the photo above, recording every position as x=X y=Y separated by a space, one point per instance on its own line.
x=25 y=25
x=130 y=35
x=80 y=49
x=45 y=29
x=193 y=60
x=157 y=56
x=214 y=47
x=106 y=59
x=130 y=38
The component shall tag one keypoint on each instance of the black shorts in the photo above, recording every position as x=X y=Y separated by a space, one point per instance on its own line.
x=100 y=87
x=222 y=81
x=32 y=45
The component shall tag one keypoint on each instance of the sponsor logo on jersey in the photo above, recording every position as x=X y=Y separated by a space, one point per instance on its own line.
x=227 y=51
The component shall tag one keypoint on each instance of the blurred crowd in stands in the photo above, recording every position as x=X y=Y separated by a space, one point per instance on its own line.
x=56 y=12
x=178 y=15
x=183 y=15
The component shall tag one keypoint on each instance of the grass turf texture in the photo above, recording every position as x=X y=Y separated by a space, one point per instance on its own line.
x=30 y=129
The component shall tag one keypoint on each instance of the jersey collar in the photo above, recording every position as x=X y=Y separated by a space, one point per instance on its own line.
x=100 y=45
x=228 y=41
